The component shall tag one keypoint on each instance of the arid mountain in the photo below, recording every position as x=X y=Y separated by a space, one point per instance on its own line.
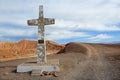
x=25 y=49
x=53 y=48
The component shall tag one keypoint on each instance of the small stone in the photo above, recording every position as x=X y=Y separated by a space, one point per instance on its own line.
x=6 y=73
x=54 y=74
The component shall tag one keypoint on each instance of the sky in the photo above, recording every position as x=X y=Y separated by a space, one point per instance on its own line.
x=91 y=21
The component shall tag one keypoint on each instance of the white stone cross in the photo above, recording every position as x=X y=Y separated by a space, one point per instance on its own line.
x=41 y=22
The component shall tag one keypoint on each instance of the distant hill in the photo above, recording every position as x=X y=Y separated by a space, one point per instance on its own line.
x=25 y=49
x=91 y=49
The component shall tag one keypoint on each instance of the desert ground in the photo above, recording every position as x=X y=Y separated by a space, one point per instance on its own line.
x=78 y=61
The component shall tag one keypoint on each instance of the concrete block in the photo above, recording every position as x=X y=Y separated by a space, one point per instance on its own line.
x=51 y=65
x=37 y=72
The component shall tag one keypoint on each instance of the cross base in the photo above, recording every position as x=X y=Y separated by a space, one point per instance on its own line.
x=37 y=69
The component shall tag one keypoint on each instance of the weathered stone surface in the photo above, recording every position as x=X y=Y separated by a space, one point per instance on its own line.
x=50 y=65
x=41 y=22
x=36 y=72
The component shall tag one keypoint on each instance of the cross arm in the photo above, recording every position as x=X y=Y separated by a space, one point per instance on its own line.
x=48 y=21
x=33 y=22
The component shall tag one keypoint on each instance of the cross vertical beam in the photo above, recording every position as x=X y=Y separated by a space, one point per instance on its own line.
x=41 y=22
x=41 y=49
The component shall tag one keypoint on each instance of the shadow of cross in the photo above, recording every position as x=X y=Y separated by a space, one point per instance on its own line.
x=41 y=22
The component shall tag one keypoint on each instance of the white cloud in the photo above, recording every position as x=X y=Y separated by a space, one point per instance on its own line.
x=99 y=37
x=70 y=15
x=64 y=34
x=87 y=14
x=17 y=32
x=75 y=25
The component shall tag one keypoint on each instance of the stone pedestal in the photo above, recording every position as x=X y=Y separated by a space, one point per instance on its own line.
x=50 y=65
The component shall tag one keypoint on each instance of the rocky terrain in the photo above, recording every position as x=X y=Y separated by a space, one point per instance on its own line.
x=78 y=61
x=25 y=49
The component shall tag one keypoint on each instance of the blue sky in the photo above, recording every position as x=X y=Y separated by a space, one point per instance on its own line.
x=95 y=21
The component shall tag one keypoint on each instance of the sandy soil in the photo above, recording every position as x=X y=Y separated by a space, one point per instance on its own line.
x=88 y=62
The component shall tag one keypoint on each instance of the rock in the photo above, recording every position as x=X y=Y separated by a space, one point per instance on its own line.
x=6 y=73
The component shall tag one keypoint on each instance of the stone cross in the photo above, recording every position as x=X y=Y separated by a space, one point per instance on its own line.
x=41 y=22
